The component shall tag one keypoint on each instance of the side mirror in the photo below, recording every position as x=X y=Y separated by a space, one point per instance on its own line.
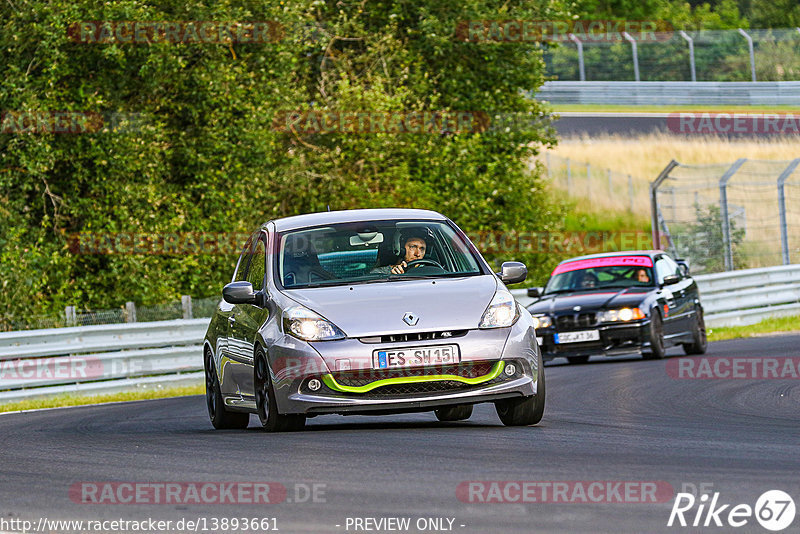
x=239 y=293
x=535 y=292
x=513 y=272
x=671 y=279
x=684 y=265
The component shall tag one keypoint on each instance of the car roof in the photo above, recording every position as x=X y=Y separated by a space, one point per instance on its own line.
x=650 y=253
x=346 y=216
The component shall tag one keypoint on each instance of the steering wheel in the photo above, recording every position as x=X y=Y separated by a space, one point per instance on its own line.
x=423 y=261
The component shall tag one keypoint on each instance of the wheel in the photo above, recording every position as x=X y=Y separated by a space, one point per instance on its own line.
x=699 y=342
x=578 y=359
x=454 y=413
x=220 y=418
x=657 y=350
x=266 y=407
x=525 y=411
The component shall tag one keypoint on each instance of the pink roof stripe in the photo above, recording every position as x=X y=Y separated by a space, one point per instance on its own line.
x=640 y=261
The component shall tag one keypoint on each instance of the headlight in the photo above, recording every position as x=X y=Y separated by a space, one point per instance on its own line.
x=623 y=314
x=309 y=326
x=502 y=311
x=542 y=321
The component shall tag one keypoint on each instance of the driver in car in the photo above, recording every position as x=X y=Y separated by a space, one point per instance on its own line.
x=414 y=247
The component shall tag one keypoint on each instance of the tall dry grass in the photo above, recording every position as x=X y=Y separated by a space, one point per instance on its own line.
x=645 y=157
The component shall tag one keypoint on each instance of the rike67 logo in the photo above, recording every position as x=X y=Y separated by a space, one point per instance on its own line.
x=774 y=510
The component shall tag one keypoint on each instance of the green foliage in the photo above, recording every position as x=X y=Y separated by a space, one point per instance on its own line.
x=207 y=157
x=705 y=246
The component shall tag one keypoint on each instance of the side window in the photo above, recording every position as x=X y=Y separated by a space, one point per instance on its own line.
x=257 y=263
x=665 y=267
x=240 y=275
x=673 y=267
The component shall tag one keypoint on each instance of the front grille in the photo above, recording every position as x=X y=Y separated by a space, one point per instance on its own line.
x=363 y=377
x=575 y=320
x=414 y=336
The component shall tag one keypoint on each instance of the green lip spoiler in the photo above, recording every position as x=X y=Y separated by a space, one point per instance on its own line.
x=334 y=385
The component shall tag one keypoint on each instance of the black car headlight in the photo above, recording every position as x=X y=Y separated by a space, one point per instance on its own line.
x=542 y=321
x=620 y=315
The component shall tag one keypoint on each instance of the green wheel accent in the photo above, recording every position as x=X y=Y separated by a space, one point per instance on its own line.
x=334 y=385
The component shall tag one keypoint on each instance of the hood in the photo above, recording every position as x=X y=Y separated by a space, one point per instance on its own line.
x=378 y=308
x=590 y=300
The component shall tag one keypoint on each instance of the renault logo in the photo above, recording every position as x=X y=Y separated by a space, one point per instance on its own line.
x=410 y=318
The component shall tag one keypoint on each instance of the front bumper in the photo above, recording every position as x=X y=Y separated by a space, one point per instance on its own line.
x=615 y=339
x=480 y=376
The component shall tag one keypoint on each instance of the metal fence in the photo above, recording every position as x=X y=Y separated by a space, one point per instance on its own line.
x=730 y=216
x=186 y=308
x=600 y=187
x=718 y=55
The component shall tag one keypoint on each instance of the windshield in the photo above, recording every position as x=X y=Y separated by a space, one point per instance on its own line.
x=606 y=277
x=376 y=251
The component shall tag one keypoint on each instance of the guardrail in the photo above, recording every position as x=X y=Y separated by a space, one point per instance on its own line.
x=121 y=357
x=671 y=93
x=743 y=297
x=101 y=358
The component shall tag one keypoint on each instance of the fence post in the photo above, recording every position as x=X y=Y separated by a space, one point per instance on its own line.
x=654 y=202
x=723 y=205
x=186 y=304
x=569 y=179
x=782 y=208
x=69 y=314
x=581 y=65
x=630 y=192
x=691 y=54
x=130 y=312
x=631 y=40
x=752 y=53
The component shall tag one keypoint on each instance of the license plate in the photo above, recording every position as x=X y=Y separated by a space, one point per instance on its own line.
x=578 y=337
x=415 y=357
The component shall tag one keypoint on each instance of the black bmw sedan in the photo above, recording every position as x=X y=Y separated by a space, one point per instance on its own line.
x=618 y=303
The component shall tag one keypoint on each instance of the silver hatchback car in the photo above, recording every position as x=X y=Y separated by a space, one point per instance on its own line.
x=369 y=312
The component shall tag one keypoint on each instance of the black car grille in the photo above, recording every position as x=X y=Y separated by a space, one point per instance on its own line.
x=367 y=376
x=414 y=336
x=575 y=320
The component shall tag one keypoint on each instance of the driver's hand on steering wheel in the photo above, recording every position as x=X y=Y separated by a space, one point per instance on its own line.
x=400 y=268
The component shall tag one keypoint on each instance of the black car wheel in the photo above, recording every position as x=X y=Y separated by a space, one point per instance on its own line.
x=578 y=359
x=266 y=407
x=454 y=413
x=657 y=350
x=220 y=418
x=525 y=411
x=699 y=342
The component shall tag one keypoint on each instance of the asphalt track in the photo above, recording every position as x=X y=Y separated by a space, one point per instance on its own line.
x=609 y=420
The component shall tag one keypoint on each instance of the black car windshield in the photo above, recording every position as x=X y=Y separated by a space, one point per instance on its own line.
x=603 y=277
x=372 y=252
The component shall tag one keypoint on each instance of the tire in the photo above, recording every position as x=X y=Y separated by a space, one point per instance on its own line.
x=525 y=411
x=454 y=413
x=220 y=418
x=657 y=350
x=699 y=342
x=266 y=407
x=578 y=359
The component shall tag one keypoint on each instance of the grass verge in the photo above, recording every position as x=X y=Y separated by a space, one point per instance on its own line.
x=767 y=326
x=79 y=400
